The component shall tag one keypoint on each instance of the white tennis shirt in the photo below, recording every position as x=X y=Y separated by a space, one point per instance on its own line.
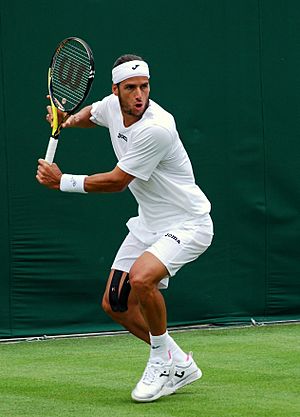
x=151 y=150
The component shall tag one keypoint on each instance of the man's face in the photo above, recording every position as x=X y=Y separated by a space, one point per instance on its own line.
x=133 y=96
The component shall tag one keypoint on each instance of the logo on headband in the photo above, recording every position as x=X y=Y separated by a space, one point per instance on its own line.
x=135 y=67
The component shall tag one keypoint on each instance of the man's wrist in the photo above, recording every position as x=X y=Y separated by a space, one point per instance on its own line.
x=73 y=120
x=70 y=121
x=72 y=183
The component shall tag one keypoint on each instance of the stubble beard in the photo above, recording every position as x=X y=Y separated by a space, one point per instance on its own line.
x=129 y=111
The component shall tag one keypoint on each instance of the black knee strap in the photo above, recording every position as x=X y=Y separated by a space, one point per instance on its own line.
x=116 y=301
x=124 y=294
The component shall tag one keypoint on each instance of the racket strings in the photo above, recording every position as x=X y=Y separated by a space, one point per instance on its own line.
x=70 y=75
x=66 y=97
x=79 y=54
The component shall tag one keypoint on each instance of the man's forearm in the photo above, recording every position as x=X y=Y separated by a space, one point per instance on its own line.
x=80 y=119
x=108 y=182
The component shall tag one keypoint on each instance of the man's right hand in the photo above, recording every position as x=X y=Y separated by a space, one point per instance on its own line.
x=49 y=115
x=69 y=122
x=80 y=119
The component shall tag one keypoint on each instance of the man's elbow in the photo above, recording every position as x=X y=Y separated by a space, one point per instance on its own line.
x=116 y=180
x=120 y=186
x=120 y=180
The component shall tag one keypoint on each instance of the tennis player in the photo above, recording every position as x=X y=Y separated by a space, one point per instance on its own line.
x=173 y=226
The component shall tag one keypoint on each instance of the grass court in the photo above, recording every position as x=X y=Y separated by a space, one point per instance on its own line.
x=247 y=372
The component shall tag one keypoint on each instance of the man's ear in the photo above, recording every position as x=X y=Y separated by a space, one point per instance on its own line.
x=115 y=89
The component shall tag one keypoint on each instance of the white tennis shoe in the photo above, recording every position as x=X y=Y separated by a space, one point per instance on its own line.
x=184 y=373
x=151 y=385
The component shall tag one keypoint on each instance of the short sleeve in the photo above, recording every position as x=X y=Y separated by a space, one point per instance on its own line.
x=99 y=112
x=146 y=151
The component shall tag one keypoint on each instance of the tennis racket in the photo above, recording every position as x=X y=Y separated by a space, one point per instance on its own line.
x=70 y=77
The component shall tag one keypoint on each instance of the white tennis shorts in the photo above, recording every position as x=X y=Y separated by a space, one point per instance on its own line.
x=174 y=248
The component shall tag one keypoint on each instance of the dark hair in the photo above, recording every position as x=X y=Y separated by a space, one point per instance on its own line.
x=127 y=58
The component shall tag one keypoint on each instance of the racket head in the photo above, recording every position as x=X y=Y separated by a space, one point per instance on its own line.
x=71 y=74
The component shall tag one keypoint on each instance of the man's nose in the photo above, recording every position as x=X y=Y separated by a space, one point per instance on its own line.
x=138 y=93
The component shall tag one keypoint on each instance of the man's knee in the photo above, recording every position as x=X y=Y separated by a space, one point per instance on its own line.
x=136 y=282
x=141 y=283
x=146 y=273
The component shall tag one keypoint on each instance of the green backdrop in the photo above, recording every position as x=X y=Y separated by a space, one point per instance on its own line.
x=229 y=72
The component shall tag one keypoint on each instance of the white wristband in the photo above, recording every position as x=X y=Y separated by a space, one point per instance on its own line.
x=72 y=183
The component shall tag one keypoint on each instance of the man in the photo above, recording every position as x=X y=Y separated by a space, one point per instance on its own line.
x=173 y=226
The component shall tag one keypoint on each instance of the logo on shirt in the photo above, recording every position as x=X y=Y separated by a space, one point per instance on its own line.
x=120 y=136
x=135 y=67
x=173 y=237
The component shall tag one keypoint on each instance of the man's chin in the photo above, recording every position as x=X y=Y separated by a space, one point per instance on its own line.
x=137 y=112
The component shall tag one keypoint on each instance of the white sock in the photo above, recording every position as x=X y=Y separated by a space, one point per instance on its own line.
x=177 y=354
x=159 y=348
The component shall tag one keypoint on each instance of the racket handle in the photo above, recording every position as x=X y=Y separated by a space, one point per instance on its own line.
x=51 y=150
